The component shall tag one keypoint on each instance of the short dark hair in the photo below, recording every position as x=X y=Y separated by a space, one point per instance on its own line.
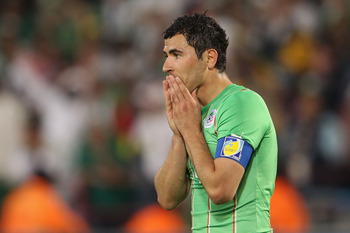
x=201 y=32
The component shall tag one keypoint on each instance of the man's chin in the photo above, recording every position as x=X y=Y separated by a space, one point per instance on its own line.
x=191 y=89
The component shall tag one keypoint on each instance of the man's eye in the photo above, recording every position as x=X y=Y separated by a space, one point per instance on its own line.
x=177 y=55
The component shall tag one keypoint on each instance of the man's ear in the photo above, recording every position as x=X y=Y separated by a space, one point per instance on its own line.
x=212 y=58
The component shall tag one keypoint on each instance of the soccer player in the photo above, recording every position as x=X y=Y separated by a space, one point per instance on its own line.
x=224 y=145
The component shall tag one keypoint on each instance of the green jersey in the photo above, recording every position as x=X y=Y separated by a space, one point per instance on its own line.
x=241 y=112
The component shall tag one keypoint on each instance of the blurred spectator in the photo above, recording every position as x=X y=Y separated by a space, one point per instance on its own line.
x=62 y=106
x=32 y=157
x=12 y=128
x=36 y=207
x=289 y=213
x=107 y=193
x=151 y=130
x=155 y=219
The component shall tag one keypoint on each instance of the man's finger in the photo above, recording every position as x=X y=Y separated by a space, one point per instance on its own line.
x=167 y=97
x=176 y=89
x=165 y=88
x=173 y=96
x=186 y=94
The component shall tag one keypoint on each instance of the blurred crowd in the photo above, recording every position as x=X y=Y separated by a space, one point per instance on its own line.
x=81 y=102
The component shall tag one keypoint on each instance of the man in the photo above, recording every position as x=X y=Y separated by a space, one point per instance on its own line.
x=224 y=143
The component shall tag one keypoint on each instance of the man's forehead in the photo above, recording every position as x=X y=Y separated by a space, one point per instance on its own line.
x=175 y=42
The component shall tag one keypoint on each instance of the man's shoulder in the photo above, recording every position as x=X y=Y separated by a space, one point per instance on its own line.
x=237 y=94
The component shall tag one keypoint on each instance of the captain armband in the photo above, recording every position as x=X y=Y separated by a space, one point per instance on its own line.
x=234 y=147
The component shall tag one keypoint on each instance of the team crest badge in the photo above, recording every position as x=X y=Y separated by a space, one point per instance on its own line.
x=209 y=121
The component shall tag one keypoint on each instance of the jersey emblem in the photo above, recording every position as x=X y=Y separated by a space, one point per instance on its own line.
x=232 y=147
x=209 y=121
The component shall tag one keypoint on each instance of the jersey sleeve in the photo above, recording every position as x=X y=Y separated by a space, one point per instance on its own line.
x=243 y=114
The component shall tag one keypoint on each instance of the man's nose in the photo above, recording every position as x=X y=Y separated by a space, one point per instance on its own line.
x=166 y=66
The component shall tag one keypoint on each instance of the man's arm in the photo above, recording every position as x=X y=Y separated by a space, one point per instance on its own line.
x=171 y=182
x=220 y=177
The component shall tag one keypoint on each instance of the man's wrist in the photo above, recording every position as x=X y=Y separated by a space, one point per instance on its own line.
x=177 y=138
x=191 y=134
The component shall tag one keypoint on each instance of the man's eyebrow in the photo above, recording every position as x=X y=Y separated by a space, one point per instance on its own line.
x=172 y=51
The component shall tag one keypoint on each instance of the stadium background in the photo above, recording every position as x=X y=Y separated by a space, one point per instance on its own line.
x=81 y=103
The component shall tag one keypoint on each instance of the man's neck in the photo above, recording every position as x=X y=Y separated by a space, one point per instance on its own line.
x=213 y=86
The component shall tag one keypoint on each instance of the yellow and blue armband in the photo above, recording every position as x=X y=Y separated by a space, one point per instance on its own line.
x=234 y=147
